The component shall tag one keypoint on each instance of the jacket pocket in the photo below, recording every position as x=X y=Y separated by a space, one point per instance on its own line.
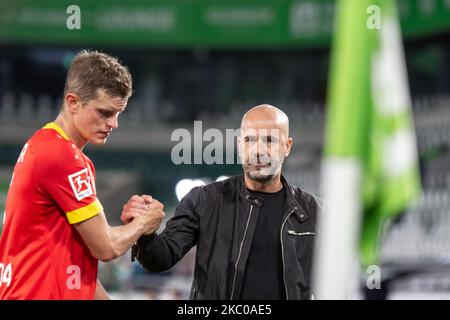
x=303 y=243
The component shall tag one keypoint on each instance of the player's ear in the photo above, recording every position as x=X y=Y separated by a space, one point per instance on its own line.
x=72 y=102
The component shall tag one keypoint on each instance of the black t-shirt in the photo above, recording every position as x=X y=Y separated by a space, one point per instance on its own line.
x=263 y=276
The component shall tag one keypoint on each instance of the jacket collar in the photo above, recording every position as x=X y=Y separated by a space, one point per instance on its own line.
x=291 y=201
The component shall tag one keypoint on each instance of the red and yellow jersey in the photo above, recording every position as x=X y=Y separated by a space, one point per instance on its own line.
x=41 y=254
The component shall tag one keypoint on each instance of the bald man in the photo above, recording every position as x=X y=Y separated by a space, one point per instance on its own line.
x=264 y=143
x=254 y=232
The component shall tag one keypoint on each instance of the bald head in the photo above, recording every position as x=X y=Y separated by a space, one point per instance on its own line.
x=266 y=116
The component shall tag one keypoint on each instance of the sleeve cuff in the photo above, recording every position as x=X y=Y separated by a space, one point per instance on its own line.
x=139 y=246
x=84 y=213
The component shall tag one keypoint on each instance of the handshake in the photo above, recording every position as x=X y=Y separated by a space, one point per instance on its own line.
x=145 y=211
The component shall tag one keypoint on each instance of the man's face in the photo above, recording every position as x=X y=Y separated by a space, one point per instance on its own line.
x=95 y=120
x=263 y=148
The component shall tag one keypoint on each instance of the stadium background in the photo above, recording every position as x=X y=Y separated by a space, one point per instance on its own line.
x=211 y=61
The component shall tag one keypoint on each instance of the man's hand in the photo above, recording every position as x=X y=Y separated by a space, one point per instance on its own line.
x=135 y=206
x=152 y=220
x=149 y=211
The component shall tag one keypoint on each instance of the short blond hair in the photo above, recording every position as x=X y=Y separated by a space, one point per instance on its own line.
x=93 y=70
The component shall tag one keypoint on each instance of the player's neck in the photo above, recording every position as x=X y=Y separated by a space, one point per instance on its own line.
x=271 y=186
x=70 y=130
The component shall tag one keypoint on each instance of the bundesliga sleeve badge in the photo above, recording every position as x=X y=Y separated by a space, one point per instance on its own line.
x=81 y=184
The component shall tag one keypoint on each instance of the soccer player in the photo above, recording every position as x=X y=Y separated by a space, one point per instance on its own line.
x=55 y=230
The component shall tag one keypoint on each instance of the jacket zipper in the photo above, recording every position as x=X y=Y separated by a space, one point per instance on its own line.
x=282 y=254
x=240 y=252
x=292 y=232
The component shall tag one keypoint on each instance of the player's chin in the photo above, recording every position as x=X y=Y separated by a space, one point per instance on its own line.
x=98 y=141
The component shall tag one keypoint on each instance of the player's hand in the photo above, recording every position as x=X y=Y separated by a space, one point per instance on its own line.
x=154 y=217
x=135 y=206
x=148 y=199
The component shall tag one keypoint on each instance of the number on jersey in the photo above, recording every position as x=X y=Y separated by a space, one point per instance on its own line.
x=22 y=153
x=5 y=274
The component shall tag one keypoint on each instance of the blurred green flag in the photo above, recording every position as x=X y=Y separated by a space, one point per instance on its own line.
x=369 y=114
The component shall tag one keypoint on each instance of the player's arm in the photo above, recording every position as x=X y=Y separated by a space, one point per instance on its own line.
x=100 y=292
x=70 y=183
x=107 y=243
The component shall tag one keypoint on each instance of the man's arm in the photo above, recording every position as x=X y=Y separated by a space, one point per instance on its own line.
x=107 y=243
x=100 y=292
x=161 y=252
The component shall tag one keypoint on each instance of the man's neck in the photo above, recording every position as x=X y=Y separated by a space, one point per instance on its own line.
x=70 y=130
x=271 y=186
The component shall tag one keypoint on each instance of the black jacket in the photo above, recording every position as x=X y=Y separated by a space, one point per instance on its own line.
x=220 y=218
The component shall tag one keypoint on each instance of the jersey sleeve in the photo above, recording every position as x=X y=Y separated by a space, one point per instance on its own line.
x=68 y=178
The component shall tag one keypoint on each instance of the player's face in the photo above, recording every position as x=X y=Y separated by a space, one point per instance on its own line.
x=98 y=117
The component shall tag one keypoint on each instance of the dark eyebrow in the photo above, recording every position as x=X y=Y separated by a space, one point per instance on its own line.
x=106 y=111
